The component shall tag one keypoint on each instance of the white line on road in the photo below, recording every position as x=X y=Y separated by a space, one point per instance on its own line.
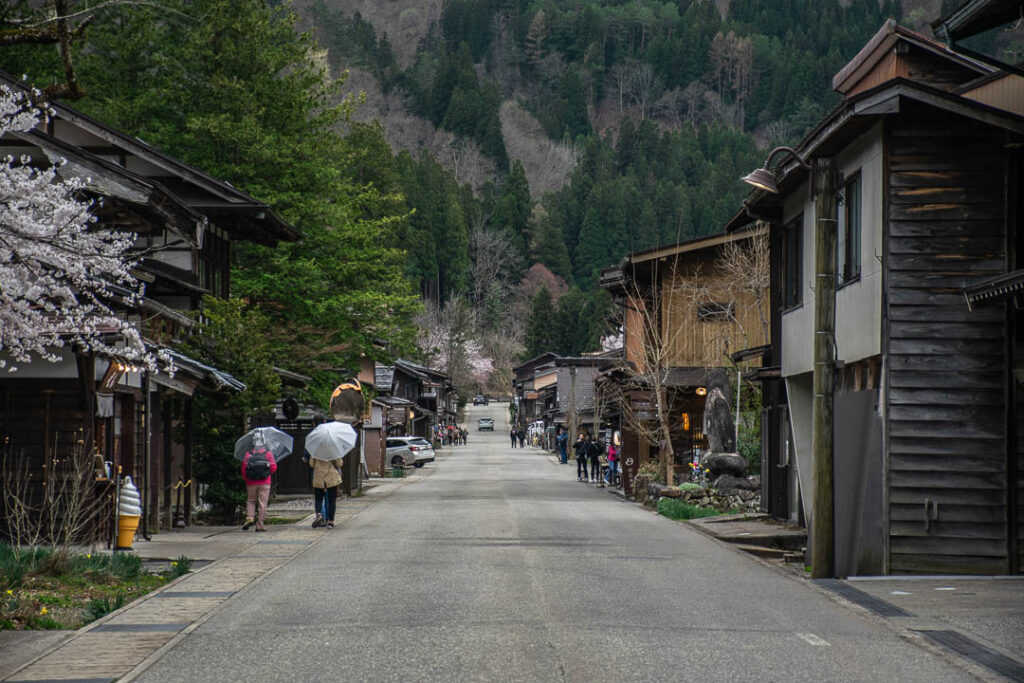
x=813 y=639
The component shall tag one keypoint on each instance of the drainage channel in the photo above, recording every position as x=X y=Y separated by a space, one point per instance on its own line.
x=865 y=600
x=977 y=653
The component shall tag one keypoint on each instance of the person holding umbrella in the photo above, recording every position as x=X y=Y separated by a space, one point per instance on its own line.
x=326 y=480
x=259 y=451
x=327 y=445
x=257 y=466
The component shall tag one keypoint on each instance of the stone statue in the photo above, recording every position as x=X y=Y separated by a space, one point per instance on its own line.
x=718 y=425
x=727 y=467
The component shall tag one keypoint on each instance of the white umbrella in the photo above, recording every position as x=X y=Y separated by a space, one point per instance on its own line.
x=330 y=440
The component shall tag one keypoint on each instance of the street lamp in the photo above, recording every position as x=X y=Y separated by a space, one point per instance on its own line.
x=764 y=179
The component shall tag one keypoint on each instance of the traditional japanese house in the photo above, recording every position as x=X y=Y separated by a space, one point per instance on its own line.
x=927 y=410
x=186 y=221
x=569 y=394
x=525 y=392
x=431 y=399
x=683 y=313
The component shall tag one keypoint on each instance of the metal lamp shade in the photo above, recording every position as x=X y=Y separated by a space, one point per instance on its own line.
x=763 y=179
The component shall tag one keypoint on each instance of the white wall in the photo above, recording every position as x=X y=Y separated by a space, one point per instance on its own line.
x=858 y=304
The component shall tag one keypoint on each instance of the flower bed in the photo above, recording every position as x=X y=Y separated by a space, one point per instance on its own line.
x=41 y=588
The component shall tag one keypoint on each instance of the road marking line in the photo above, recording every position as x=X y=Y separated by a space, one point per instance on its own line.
x=812 y=639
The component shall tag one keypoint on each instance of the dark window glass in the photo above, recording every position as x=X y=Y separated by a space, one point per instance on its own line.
x=848 y=244
x=792 y=239
x=714 y=312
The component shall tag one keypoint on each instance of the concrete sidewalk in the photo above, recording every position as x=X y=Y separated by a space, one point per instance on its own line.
x=228 y=561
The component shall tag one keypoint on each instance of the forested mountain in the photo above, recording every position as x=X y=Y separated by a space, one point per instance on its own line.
x=505 y=150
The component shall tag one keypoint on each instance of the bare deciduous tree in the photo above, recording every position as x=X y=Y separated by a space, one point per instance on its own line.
x=645 y=396
x=52 y=505
x=493 y=261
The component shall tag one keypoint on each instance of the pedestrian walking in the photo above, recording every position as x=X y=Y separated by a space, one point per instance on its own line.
x=613 y=464
x=326 y=480
x=580 y=447
x=594 y=452
x=257 y=466
x=514 y=435
x=522 y=438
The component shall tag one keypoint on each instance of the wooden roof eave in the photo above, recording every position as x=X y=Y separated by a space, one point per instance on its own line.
x=976 y=16
x=113 y=180
x=883 y=41
x=275 y=227
x=856 y=114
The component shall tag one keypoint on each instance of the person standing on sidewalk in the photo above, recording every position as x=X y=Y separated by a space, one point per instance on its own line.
x=594 y=452
x=514 y=435
x=613 y=464
x=257 y=466
x=581 y=458
x=326 y=479
x=562 y=441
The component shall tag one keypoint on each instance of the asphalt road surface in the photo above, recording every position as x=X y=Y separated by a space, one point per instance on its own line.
x=500 y=566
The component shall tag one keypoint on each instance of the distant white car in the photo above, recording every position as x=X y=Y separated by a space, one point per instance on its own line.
x=485 y=424
x=403 y=451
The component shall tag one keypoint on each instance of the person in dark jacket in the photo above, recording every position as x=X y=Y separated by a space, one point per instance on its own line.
x=594 y=452
x=562 y=441
x=515 y=436
x=581 y=458
x=522 y=438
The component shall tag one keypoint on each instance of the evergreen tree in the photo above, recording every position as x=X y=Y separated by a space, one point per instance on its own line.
x=540 y=336
x=512 y=211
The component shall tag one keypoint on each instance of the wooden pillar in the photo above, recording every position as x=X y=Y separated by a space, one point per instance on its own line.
x=166 y=422
x=189 y=439
x=823 y=522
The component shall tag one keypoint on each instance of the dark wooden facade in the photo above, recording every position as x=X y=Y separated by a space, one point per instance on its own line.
x=948 y=380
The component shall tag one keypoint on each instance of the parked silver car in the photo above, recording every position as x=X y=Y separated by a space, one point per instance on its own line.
x=403 y=451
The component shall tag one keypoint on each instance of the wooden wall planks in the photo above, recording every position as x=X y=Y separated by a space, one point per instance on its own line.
x=947 y=365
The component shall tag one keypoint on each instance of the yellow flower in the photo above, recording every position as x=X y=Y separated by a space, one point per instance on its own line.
x=10 y=592
x=174 y=564
x=88 y=557
x=42 y=611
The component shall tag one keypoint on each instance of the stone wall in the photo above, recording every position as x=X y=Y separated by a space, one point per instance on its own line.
x=648 y=492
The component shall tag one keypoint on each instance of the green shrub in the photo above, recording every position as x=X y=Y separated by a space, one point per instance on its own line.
x=673 y=508
x=180 y=567
x=99 y=607
x=125 y=566
x=654 y=470
x=396 y=473
x=690 y=486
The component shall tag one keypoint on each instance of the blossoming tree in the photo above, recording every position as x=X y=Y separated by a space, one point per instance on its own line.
x=58 y=269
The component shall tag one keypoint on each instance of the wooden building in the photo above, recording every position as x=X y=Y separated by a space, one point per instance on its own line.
x=430 y=399
x=683 y=314
x=85 y=404
x=927 y=417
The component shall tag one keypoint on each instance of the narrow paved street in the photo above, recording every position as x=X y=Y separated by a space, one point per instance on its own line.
x=500 y=566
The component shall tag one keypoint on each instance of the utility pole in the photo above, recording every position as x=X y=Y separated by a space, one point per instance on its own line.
x=823 y=442
x=571 y=412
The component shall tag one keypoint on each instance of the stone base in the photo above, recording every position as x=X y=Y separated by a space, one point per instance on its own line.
x=740 y=500
x=724 y=463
